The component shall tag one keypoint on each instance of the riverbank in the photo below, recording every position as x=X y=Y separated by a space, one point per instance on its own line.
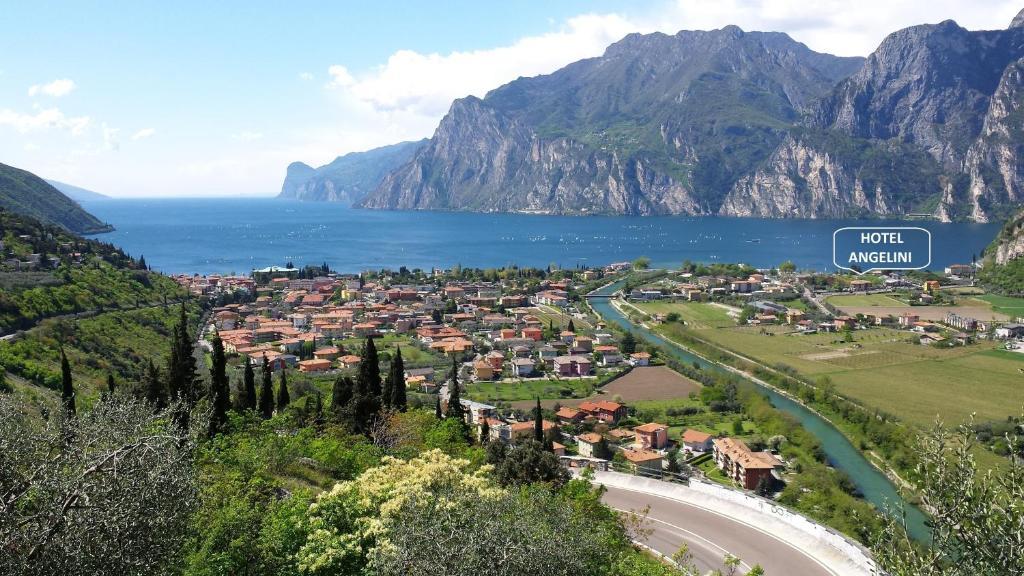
x=873 y=458
x=871 y=482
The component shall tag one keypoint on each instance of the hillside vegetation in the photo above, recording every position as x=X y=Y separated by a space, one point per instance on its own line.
x=48 y=272
x=30 y=195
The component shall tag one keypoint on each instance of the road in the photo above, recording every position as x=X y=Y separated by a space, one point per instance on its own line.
x=710 y=535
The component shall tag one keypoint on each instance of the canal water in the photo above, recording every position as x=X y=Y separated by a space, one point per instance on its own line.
x=875 y=487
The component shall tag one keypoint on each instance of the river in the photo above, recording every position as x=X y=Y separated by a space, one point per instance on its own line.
x=875 y=487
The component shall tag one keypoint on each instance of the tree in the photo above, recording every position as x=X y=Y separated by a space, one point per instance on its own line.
x=787 y=267
x=111 y=385
x=628 y=343
x=397 y=377
x=570 y=326
x=538 y=423
x=369 y=370
x=248 y=400
x=182 y=375
x=318 y=411
x=673 y=460
x=437 y=407
x=642 y=263
x=220 y=391
x=110 y=491
x=267 y=392
x=341 y=395
x=529 y=463
x=455 y=409
x=485 y=432
x=67 y=387
x=283 y=399
x=4 y=385
x=153 y=389
x=977 y=523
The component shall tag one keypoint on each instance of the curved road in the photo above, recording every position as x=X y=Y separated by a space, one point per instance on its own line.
x=710 y=536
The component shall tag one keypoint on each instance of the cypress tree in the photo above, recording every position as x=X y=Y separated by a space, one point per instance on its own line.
x=248 y=386
x=538 y=423
x=267 y=392
x=341 y=395
x=67 y=387
x=485 y=432
x=398 y=397
x=455 y=409
x=437 y=407
x=318 y=411
x=111 y=385
x=387 y=391
x=153 y=387
x=219 y=389
x=571 y=327
x=369 y=370
x=283 y=399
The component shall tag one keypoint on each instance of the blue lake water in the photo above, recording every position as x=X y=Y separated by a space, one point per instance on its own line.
x=236 y=235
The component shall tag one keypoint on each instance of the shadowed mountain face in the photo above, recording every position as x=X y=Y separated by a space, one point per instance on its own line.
x=738 y=123
x=348 y=178
x=27 y=194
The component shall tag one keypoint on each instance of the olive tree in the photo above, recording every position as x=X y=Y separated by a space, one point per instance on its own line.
x=108 y=491
x=509 y=533
x=977 y=518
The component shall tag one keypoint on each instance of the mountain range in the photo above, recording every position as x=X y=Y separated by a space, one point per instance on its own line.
x=25 y=193
x=76 y=193
x=732 y=123
x=348 y=178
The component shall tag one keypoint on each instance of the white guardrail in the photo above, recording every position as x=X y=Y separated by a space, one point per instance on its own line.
x=841 y=554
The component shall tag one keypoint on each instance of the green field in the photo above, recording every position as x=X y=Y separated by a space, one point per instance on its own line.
x=1012 y=307
x=491 y=392
x=695 y=314
x=859 y=300
x=412 y=354
x=884 y=369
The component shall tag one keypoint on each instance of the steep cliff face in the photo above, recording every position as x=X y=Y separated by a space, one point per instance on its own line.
x=926 y=85
x=348 y=178
x=658 y=125
x=802 y=181
x=1002 y=267
x=993 y=162
x=741 y=124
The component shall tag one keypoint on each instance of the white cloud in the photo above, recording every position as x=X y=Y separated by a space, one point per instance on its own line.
x=31 y=147
x=144 y=133
x=43 y=119
x=838 y=27
x=57 y=88
x=340 y=77
x=427 y=83
x=307 y=76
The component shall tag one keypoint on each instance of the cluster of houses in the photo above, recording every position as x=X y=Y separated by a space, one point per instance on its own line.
x=500 y=329
x=643 y=448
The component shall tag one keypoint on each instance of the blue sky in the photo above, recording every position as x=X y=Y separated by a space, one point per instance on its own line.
x=208 y=99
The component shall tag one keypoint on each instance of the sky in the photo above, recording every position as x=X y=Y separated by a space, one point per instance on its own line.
x=151 y=98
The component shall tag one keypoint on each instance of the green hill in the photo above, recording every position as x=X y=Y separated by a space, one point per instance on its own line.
x=30 y=195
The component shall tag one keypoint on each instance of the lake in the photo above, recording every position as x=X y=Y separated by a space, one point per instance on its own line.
x=238 y=234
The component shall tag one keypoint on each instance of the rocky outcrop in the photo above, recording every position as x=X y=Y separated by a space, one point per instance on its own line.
x=993 y=162
x=801 y=181
x=348 y=178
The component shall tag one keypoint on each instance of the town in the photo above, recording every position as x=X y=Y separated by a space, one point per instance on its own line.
x=531 y=338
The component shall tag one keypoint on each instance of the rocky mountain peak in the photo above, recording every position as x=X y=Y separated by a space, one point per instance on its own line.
x=1018 y=20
